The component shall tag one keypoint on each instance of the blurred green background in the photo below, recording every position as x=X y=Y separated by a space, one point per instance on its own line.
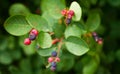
x=14 y=60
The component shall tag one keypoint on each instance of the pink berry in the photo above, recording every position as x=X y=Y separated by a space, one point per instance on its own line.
x=27 y=41
x=50 y=59
x=57 y=59
x=64 y=12
x=69 y=17
x=34 y=31
x=70 y=12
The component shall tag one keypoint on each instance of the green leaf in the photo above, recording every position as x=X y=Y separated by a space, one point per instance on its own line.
x=46 y=51
x=93 y=21
x=38 y=22
x=64 y=66
x=72 y=30
x=51 y=21
x=90 y=67
x=5 y=58
x=76 y=46
x=17 y=25
x=77 y=10
x=45 y=40
x=59 y=30
x=54 y=7
x=17 y=9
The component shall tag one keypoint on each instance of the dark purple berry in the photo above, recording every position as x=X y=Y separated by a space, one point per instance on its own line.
x=53 y=64
x=67 y=21
x=52 y=68
x=54 y=54
x=32 y=36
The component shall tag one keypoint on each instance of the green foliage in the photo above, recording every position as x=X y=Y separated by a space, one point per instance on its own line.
x=77 y=10
x=93 y=21
x=17 y=25
x=76 y=45
x=18 y=9
x=78 y=51
x=37 y=22
x=54 y=9
x=45 y=40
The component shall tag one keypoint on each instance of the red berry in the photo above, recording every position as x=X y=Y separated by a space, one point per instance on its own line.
x=70 y=12
x=34 y=31
x=64 y=12
x=54 y=41
x=27 y=41
x=57 y=59
x=100 y=41
x=50 y=59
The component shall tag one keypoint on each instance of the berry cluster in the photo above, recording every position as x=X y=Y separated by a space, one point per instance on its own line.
x=97 y=38
x=32 y=36
x=53 y=60
x=68 y=14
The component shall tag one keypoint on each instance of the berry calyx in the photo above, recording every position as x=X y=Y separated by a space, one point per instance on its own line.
x=50 y=59
x=32 y=36
x=71 y=12
x=64 y=12
x=27 y=41
x=57 y=59
x=54 y=54
x=34 y=31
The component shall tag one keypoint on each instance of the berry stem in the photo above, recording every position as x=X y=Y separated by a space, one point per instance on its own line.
x=59 y=46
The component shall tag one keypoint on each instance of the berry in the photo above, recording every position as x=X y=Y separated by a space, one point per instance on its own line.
x=54 y=41
x=100 y=41
x=67 y=21
x=96 y=38
x=53 y=64
x=57 y=59
x=32 y=36
x=34 y=31
x=52 y=68
x=70 y=12
x=69 y=16
x=94 y=34
x=54 y=54
x=50 y=59
x=27 y=41
x=64 y=12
